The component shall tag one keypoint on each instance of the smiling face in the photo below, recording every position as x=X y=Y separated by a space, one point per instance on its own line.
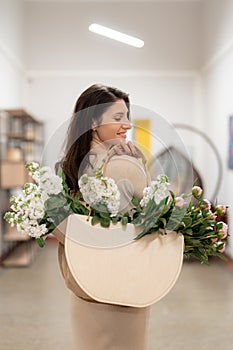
x=114 y=124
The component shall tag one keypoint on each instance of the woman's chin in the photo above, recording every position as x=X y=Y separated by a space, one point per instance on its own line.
x=117 y=141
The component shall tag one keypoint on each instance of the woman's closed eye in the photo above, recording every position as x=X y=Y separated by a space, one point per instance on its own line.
x=117 y=119
x=121 y=117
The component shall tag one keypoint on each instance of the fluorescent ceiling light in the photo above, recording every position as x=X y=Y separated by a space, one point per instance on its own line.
x=115 y=35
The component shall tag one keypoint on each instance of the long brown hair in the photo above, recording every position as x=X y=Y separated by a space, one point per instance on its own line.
x=88 y=110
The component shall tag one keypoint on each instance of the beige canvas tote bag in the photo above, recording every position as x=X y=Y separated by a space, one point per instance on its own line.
x=111 y=267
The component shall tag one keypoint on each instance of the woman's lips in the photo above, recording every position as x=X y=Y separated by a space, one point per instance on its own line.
x=122 y=134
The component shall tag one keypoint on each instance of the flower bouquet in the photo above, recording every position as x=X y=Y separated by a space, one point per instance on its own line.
x=44 y=204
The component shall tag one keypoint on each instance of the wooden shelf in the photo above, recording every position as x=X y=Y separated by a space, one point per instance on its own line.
x=12 y=174
x=22 y=113
x=21 y=140
x=21 y=137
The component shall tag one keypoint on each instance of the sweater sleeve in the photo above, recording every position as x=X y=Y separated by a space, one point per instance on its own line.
x=130 y=176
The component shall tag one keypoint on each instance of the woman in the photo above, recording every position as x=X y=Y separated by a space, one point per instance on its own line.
x=97 y=138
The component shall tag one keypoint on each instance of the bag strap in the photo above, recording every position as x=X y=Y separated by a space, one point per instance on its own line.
x=112 y=153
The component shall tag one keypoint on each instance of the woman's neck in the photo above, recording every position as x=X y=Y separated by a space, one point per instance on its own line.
x=99 y=147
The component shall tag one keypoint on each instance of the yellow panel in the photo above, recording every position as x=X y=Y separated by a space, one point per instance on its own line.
x=142 y=135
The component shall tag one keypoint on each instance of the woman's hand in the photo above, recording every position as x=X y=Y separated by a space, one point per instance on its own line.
x=129 y=149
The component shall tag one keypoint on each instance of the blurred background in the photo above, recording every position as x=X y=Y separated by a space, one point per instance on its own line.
x=183 y=76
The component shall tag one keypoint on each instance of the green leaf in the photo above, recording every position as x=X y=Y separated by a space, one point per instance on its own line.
x=105 y=222
x=188 y=231
x=187 y=221
x=55 y=201
x=78 y=208
x=164 y=221
x=221 y=256
x=172 y=195
x=124 y=220
x=61 y=174
x=115 y=219
x=201 y=256
x=100 y=208
x=135 y=202
x=104 y=214
x=149 y=207
x=95 y=219
x=137 y=220
x=40 y=242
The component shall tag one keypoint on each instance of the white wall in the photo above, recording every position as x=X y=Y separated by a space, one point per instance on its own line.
x=217 y=27
x=218 y=87
x=12 y=54
x=12 y=70
x=64 y=58
x=53 y=98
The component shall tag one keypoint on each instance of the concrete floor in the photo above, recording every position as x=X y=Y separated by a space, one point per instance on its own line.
x=196 y=314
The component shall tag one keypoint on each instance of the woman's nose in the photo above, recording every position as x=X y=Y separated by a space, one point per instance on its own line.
x=127 y=125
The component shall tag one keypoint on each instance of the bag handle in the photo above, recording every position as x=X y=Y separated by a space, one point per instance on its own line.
x=112 y=153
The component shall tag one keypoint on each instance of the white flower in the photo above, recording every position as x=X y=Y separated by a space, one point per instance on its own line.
x=36 y=176
x=113 y=207
x=49 y=183
x=52 y=185
x=30 y=188
x=158 y=190
x=32 y=167
x=32 y=228
x=100 y=190
x=29 y=207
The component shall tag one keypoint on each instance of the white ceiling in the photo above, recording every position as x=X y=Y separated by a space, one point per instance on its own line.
x=57 y=36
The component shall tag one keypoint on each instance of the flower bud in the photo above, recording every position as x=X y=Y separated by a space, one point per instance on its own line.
x=221 y=209
x=196 y=191
x=222 y=249
x=223 y=230
x=219 y=246
x=179 y=202
x=207 y=203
